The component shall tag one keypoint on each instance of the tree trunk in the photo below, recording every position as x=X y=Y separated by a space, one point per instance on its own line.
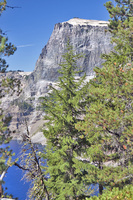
x=100 y=189
x=1 y=190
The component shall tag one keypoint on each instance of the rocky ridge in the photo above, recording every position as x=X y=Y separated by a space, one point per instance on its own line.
x=88 y=37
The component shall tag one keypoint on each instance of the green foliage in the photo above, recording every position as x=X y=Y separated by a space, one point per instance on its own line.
x=125 y=193
x=6 y=49
x=121 y=27
x=5 y=153
x=64 y=108
x=108 y=125
x=2 y=5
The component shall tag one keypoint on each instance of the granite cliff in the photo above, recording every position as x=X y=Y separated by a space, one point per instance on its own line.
x=89 y=37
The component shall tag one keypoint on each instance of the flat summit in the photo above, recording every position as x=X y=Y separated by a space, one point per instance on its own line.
x=81 y=22
x=87 y=37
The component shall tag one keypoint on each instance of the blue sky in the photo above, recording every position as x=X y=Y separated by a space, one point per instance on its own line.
x=30 y=26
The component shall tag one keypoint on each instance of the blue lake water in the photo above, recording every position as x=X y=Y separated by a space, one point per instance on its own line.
x=13 y=179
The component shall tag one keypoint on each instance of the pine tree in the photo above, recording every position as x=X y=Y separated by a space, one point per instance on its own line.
x=31 y=163
x=121 y=28
x=64 y=106
x=108 y=125
x=116 y=193
x=3 y=4
x=6 y=49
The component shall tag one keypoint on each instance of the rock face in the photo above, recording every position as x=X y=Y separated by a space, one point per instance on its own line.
x=87 y=37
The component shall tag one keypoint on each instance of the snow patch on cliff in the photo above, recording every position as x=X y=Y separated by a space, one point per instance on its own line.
x=78 y=21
